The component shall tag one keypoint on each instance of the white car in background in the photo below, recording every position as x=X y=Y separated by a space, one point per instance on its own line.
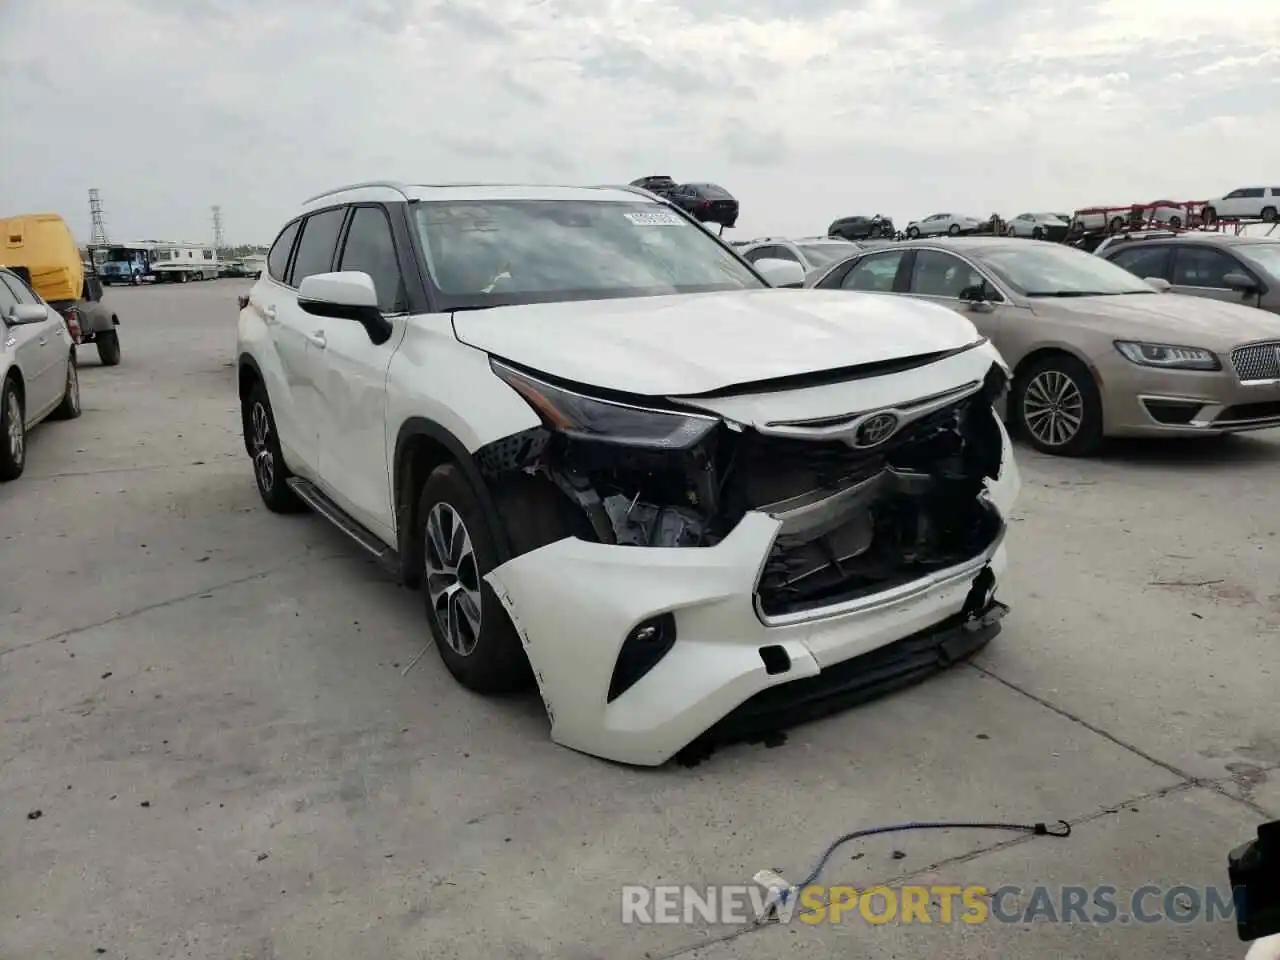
x=810 y=252
x=1038 y=226
x=1247 y=202
x=618 y=465
x=940 y=223
x=38 y=375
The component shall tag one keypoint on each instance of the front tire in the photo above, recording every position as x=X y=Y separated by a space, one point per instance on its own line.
x=954 y=230
x=475 y=636
x=913 y=233
x=108 y=348
x=1057 y=407
x=69 y=408
x=13 y=433
x=269 y=470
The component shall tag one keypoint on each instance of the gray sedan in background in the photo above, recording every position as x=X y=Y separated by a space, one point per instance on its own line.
x=1235 y=269
x=1095 y=351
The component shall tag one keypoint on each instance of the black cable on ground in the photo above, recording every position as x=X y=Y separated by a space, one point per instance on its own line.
x=1061 y=829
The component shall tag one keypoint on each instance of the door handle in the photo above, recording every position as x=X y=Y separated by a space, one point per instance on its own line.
x=269 y=314
x=43 y=341
x=317 y=339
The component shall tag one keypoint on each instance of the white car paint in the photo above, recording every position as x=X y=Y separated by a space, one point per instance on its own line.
x=724 y=338
x=572 y=602
x=1247 y=202
x=37 y=353
x=939 y=223
x=1025 y=224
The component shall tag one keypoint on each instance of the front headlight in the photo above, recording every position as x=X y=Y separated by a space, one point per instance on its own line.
x=1168 y=356
x=589 y=418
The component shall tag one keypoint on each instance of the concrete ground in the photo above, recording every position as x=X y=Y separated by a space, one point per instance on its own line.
x=205 y=704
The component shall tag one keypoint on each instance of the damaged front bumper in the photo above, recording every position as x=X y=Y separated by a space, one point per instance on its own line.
x=581 y=609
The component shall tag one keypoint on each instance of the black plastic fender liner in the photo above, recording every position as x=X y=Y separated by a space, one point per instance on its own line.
x=406 y=501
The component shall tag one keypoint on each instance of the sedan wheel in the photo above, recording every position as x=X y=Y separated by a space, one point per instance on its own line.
x=13 y=436
x=1058 y=407
x=453 y=579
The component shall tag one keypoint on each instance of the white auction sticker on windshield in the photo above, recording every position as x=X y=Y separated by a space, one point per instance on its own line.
x=658 y=219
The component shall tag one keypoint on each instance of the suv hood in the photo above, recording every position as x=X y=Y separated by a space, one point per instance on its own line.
x=1166 y=318
x=695 y=343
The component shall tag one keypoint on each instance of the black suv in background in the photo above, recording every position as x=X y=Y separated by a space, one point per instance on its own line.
x=863 y=228
x=707 y=202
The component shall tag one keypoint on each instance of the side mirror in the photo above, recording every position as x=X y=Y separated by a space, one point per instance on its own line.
x=27 y=313
x=780 y=273
x=978 y=297
x=1239 y=281
x=1158 y=284
x=349 y=295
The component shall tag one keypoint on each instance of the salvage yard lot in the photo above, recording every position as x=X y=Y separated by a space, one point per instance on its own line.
x=207 y=706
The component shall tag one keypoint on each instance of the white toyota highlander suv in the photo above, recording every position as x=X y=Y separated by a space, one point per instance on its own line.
x=698 y=507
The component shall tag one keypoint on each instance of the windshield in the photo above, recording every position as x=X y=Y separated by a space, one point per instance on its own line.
x=485 y=253
x=1265 y=256
x=1048 y=270
x=820 y=254
x=118 y=254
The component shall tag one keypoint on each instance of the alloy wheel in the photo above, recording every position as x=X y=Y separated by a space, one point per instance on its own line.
x=1053 y=408
x=264 y=462
x=452 y=579
x=17 y=435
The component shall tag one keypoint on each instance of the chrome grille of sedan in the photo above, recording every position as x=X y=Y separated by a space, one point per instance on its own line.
x=1257 y=361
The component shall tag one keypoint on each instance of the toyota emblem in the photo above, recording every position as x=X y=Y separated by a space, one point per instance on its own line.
x=875 y=430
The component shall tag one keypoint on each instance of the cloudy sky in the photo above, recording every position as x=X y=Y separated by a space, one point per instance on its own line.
x=805 y=109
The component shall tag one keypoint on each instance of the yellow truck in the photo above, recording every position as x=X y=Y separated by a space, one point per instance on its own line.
x=41 y=249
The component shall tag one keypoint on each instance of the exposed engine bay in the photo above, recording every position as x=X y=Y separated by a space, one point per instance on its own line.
x=854 y=521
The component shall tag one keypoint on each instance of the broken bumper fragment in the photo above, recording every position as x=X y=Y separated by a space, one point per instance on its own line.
x=642 y=652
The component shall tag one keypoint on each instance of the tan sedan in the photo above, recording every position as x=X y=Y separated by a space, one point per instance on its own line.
x=1096 y=352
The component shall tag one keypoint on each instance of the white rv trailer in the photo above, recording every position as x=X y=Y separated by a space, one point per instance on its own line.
x=179 y=262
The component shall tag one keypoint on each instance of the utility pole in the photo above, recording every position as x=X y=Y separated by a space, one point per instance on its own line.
x=218 y=239
x=97 y=220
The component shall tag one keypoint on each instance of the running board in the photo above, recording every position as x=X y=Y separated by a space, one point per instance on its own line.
x=312 y=496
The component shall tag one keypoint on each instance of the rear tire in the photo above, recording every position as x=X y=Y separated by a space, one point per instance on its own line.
x=263 y=443
x=1209 y=215
x=69 y=408
x=1269 y=214
x=13 y=433
x=108 y=347
x=476 y=639
x=1056 y=407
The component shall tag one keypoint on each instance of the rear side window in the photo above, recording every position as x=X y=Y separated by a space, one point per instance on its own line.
x=1144 y=261
x=371 y=249
x=316 y=248
x=278 y=258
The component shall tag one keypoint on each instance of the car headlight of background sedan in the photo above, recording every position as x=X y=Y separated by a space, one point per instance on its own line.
x=1168 y=356
x=591 y=418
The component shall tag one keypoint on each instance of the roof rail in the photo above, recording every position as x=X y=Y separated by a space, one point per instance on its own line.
x=395 y=185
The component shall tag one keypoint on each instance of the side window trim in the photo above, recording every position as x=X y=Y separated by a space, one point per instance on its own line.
x=1165 y=271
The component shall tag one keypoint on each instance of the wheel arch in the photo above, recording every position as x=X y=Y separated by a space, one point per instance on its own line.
x=14 y=373
x=1044 y=351
x=422 y=445
x=248 y=376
